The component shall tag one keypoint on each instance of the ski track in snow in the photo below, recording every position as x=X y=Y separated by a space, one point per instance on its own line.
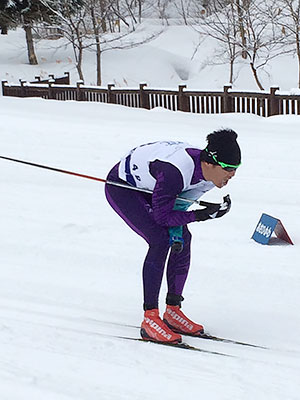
x=62 y=335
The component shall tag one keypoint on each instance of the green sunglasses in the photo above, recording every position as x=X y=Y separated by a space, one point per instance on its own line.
x=227 y=167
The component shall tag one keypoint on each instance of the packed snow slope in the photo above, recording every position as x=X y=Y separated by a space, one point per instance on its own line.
x=70 y=268
x=179 y=55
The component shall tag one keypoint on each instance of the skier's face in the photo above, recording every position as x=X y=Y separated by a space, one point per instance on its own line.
x=216 y=174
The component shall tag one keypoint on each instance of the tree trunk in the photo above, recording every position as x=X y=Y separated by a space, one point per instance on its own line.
x=184 y=16
x=4 y=30
x=131 y=14
x=98 y=61
x=298 y=56
x=232 y=53
x=140 y=11
x=103 y=6
x=98 y=46
x=231 y=71
x=256 y=76
x=241 y=28
x=77 y=43
x=79 y=63
x=30 y=46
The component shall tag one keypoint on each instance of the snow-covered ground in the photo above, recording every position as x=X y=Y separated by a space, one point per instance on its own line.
x=70 y=269
x=173 y=58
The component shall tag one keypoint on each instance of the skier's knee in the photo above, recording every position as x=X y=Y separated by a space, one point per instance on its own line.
x=159 y=239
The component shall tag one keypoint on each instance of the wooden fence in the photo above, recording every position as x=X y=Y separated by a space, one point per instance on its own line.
x=64 y=80
x=259 y=103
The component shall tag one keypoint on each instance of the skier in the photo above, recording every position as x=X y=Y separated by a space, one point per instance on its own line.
x=171 y=169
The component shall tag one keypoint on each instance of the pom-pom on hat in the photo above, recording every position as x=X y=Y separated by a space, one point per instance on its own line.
x=222 y=147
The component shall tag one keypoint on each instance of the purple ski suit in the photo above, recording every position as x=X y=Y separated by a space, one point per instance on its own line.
x=151 y=215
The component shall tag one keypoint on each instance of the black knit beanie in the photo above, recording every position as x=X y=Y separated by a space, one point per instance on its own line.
x=223 y=146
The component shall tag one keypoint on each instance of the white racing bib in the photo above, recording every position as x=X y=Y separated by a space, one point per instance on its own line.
x=134 y=166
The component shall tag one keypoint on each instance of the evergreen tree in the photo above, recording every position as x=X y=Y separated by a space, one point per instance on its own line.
x=6 y=19
x=59 y=8
x=26 y=13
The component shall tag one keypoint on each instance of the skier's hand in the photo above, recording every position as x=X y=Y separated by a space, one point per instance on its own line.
x=212 y=210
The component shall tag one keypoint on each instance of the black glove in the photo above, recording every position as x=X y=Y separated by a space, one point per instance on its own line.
x=213 y=210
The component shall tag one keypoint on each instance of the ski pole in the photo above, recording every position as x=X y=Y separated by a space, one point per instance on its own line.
x=123 y=185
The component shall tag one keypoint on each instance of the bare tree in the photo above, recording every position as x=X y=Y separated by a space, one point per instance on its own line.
x=223 y=25
x=183 y=10
x=247 y=29
x=113 y=12
x=71 y=16
x=189 y=10
x=263 y=41
x=90 y=27
x=288 y=19
x=161 y=7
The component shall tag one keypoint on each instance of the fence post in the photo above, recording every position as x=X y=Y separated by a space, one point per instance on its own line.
x=23 y=88
x=67 y=74
x=3 y=88
x=227 y=103
x=111 y=97
x=79 y=92
x=183 y=100
x=144 y=97
x=51 y=90
x=273 y=102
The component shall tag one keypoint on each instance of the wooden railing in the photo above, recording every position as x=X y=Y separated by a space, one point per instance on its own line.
x=64 y=80
x=259 y=103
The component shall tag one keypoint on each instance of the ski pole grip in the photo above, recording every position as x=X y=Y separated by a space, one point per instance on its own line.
x=207 y=203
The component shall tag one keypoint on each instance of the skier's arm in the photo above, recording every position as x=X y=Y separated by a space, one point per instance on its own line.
x=169 y=183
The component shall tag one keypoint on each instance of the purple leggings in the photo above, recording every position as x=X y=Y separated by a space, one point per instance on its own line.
x=135 y=209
